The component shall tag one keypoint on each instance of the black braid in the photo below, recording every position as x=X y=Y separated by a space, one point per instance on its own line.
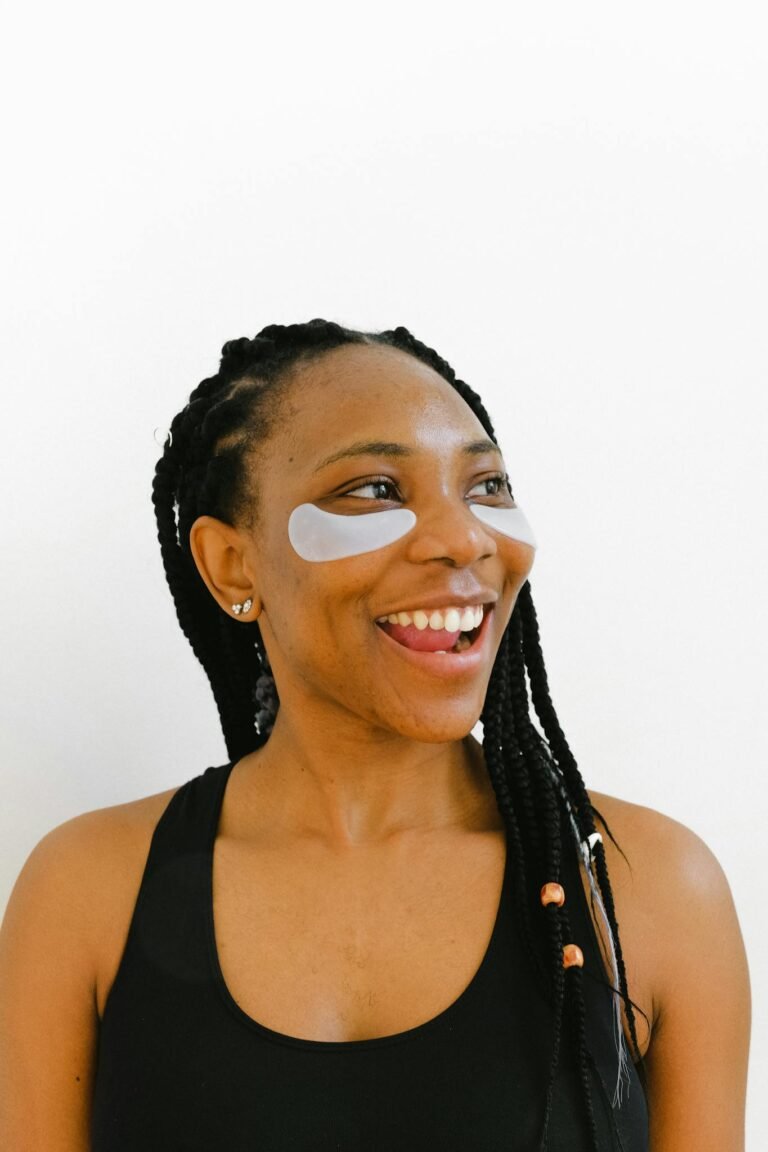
x=204 y=471
x=577 y=793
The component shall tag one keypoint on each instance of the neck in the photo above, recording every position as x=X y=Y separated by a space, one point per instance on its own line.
x=351 y=785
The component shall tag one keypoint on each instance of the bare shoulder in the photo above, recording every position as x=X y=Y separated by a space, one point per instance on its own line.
x=662 y=860
x=685 y=954
x=122 y=826
x=89 y=870
x=670 y=889
x=80 y=847
x=648 y=832
x=94 y=848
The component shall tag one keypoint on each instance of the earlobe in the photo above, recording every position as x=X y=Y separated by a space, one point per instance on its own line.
x=220 y=555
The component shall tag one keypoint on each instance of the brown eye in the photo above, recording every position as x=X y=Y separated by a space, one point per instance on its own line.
x=375 y=490
x=493 y=485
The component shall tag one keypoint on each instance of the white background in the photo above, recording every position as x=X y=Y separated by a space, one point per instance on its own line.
x=566 y=200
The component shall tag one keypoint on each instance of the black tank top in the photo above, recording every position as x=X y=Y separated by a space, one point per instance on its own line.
x=182 y=1068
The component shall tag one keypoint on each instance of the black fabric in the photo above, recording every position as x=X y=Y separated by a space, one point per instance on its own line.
x=181 y=1068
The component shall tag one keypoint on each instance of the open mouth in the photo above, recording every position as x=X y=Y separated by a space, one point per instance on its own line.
x=450 y=630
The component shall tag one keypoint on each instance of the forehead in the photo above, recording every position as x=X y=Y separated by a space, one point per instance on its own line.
x=361 y=391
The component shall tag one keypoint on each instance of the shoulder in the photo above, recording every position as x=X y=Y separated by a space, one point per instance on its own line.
x=662 y=861
x=649 y=832
x=92 y=847
x=666 y=879
x=81 y=881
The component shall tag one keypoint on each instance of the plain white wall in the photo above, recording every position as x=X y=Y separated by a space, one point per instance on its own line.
x=567 y=201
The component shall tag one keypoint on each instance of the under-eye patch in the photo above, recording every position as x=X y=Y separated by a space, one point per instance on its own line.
x=319 y=535
x=509 y=521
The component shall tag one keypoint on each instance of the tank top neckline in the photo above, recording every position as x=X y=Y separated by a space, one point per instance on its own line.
x=442 y=1019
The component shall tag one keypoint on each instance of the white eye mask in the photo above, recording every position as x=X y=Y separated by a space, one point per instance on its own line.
x=509 y=521
x=317 y=535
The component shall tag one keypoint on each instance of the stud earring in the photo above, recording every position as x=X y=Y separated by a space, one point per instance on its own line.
x=246 y=607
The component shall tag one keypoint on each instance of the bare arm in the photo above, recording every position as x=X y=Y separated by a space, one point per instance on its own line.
x=697 y=1061
x=48 y=1018
x=687 y=952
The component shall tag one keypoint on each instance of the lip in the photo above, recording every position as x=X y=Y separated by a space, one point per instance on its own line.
x=442 y=602
x=447 y=665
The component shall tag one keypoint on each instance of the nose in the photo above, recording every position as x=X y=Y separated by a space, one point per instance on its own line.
x=447 y=531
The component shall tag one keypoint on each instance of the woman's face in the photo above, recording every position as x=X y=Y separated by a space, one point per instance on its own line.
x=366 y=429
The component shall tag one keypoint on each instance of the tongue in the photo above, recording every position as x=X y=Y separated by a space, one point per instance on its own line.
x=426 y=640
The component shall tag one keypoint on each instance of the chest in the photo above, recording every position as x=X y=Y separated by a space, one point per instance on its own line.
x=338 y=947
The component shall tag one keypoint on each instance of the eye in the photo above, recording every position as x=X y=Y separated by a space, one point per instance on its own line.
x=494 y=486
x=377 y=489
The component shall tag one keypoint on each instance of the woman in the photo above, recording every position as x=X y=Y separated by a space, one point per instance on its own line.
x=366 y=931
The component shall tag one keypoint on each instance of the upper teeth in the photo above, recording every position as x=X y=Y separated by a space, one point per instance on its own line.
x=451 y=619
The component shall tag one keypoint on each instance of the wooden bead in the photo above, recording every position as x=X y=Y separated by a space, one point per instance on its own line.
x=553 y=894
x=573 y=957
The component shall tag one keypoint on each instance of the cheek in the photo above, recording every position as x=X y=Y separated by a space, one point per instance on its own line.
x=322 y=559
x=313 y=610
x=320 y=635
x=516 y=541
x=517 y=559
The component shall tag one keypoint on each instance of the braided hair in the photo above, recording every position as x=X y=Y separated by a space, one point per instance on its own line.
x=204 y=470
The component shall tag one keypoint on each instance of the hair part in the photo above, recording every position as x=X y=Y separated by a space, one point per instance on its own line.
x=206 y=469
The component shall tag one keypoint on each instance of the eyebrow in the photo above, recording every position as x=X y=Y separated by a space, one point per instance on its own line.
x=393 y=449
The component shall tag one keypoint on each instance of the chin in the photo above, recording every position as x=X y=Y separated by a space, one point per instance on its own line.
x=437 y=725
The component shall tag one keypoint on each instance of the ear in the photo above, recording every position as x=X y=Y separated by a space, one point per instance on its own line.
x=224 y=561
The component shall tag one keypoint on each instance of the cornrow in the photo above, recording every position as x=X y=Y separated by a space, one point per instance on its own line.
x=205 y=470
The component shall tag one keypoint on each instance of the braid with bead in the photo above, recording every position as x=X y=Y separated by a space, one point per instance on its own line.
x=204 y=470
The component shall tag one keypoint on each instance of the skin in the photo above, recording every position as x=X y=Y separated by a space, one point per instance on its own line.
x=348 y=694
x=368 y=819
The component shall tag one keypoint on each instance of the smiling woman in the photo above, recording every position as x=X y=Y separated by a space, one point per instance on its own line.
x=366 y=930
